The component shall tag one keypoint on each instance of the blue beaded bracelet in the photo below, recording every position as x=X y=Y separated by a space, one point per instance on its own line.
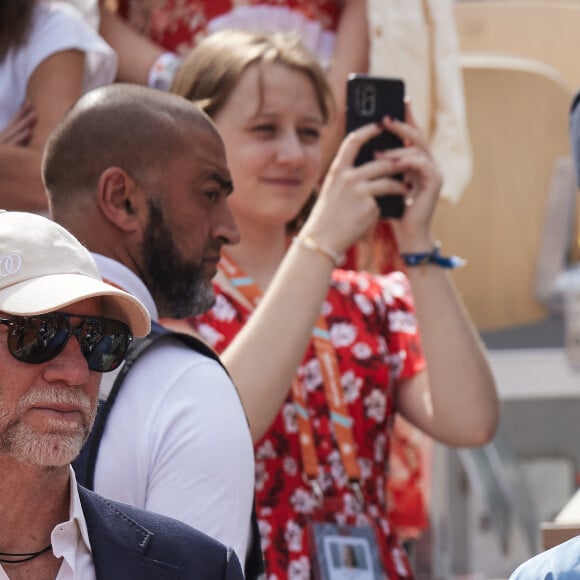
x=433 y=257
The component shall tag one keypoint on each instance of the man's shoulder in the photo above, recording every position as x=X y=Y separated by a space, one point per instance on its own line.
x=174 y=358
x=168 y=356
x=559 y=563
x=145 y=522
x=157 y=537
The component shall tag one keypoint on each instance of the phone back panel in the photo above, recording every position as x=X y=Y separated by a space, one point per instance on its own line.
x=369 y=99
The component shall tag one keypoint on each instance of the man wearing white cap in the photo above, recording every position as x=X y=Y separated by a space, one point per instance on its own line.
x=61 y=327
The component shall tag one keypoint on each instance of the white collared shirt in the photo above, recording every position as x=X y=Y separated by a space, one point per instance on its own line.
x=70 y=541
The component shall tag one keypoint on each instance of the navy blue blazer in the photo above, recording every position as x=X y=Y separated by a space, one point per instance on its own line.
x=129 y=543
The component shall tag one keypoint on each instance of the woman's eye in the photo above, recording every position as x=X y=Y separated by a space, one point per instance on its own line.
x=264 y=129
x=310 y=134
x=212 y=194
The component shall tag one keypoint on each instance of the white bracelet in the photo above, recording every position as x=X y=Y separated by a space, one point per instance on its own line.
x=163 y=70
x=310 y=244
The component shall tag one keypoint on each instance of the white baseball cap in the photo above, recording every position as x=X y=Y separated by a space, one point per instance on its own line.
x=44 y=268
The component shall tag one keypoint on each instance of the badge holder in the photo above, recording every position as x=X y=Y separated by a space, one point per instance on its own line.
x=344 y=552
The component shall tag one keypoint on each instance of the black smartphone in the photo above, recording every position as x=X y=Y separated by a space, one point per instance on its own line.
x=368 y=100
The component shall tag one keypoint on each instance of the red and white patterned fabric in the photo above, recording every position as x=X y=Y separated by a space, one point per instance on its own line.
x=178 y=25
x=372 y=326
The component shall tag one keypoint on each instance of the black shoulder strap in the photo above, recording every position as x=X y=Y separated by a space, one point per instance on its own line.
x=85 y=464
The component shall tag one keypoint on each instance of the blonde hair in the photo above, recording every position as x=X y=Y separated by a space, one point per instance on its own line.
x=211 y=71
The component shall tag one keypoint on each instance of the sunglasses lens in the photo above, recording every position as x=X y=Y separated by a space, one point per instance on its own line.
x=37 y=339
x=104 y=343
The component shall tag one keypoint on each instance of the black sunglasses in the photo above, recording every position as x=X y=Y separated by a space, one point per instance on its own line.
x=38 y=339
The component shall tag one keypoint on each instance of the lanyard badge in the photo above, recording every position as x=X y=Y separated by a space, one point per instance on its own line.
x=344 y=552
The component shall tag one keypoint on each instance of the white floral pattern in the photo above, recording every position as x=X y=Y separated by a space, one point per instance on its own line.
x=403 y=322
x=351 y=385
x=223 y=309
x=342 y=334
x=178 y=25
x=299 y=569
x=210 y=334
x=376 y=405
x=366 y=306
x=290 y=420
x=310 y=375
x=293 y=536
x=261 y=475
x=375 y=344
x=303 y=501
x=361 y=350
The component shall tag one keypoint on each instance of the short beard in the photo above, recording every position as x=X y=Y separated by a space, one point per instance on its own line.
x=57 y=445
x=178 y=286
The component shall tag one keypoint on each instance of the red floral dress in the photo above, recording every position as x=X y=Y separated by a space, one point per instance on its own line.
x=178 y=25
x=373 y=329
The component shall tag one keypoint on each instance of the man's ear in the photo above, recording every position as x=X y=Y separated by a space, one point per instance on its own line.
x=121 y=199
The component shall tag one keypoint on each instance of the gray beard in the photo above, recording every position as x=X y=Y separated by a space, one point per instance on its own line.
x=57 y=444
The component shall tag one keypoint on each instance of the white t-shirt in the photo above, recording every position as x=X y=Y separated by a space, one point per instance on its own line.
x=89 y=9
x=56 y=27
x=177 y=440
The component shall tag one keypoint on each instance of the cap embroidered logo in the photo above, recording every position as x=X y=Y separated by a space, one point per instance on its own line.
x=10 y=264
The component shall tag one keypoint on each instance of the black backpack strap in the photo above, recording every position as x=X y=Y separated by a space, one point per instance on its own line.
x=85 y=464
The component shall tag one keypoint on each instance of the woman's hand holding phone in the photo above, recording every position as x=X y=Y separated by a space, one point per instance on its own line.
x=422 y=180
x=347 y=208
x=346 y=205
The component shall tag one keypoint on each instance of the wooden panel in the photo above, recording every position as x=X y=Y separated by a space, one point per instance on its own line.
x=566 y=524
x=543 y=30
x=517 y=113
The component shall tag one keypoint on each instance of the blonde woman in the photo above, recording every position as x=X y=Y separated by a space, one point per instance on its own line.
x=323 y=357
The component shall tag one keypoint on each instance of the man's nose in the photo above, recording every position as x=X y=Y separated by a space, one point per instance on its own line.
x=69 y=366
x=226 y=227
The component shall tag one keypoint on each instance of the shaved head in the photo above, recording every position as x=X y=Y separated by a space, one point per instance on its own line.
x=120 y=125
x=141 y=176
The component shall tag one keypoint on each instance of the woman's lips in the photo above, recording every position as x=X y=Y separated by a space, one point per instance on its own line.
x=283 y=181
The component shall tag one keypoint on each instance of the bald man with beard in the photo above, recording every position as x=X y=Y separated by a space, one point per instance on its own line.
x=141 y=178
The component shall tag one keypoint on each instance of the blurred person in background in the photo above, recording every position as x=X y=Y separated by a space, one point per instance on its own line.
x=49 y=57
x=152 y=36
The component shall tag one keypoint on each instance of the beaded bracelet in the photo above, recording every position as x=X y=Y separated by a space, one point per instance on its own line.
x=310 y=244
x=433 y=257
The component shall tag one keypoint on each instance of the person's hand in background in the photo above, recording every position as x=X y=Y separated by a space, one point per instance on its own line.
x=19 y=131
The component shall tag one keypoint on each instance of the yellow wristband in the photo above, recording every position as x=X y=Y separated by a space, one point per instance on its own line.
x=310 y=244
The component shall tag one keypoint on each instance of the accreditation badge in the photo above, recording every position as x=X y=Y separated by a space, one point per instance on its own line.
x=342 y=552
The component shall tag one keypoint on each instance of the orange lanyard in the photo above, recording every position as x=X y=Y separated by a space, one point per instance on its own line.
x=326 y=355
